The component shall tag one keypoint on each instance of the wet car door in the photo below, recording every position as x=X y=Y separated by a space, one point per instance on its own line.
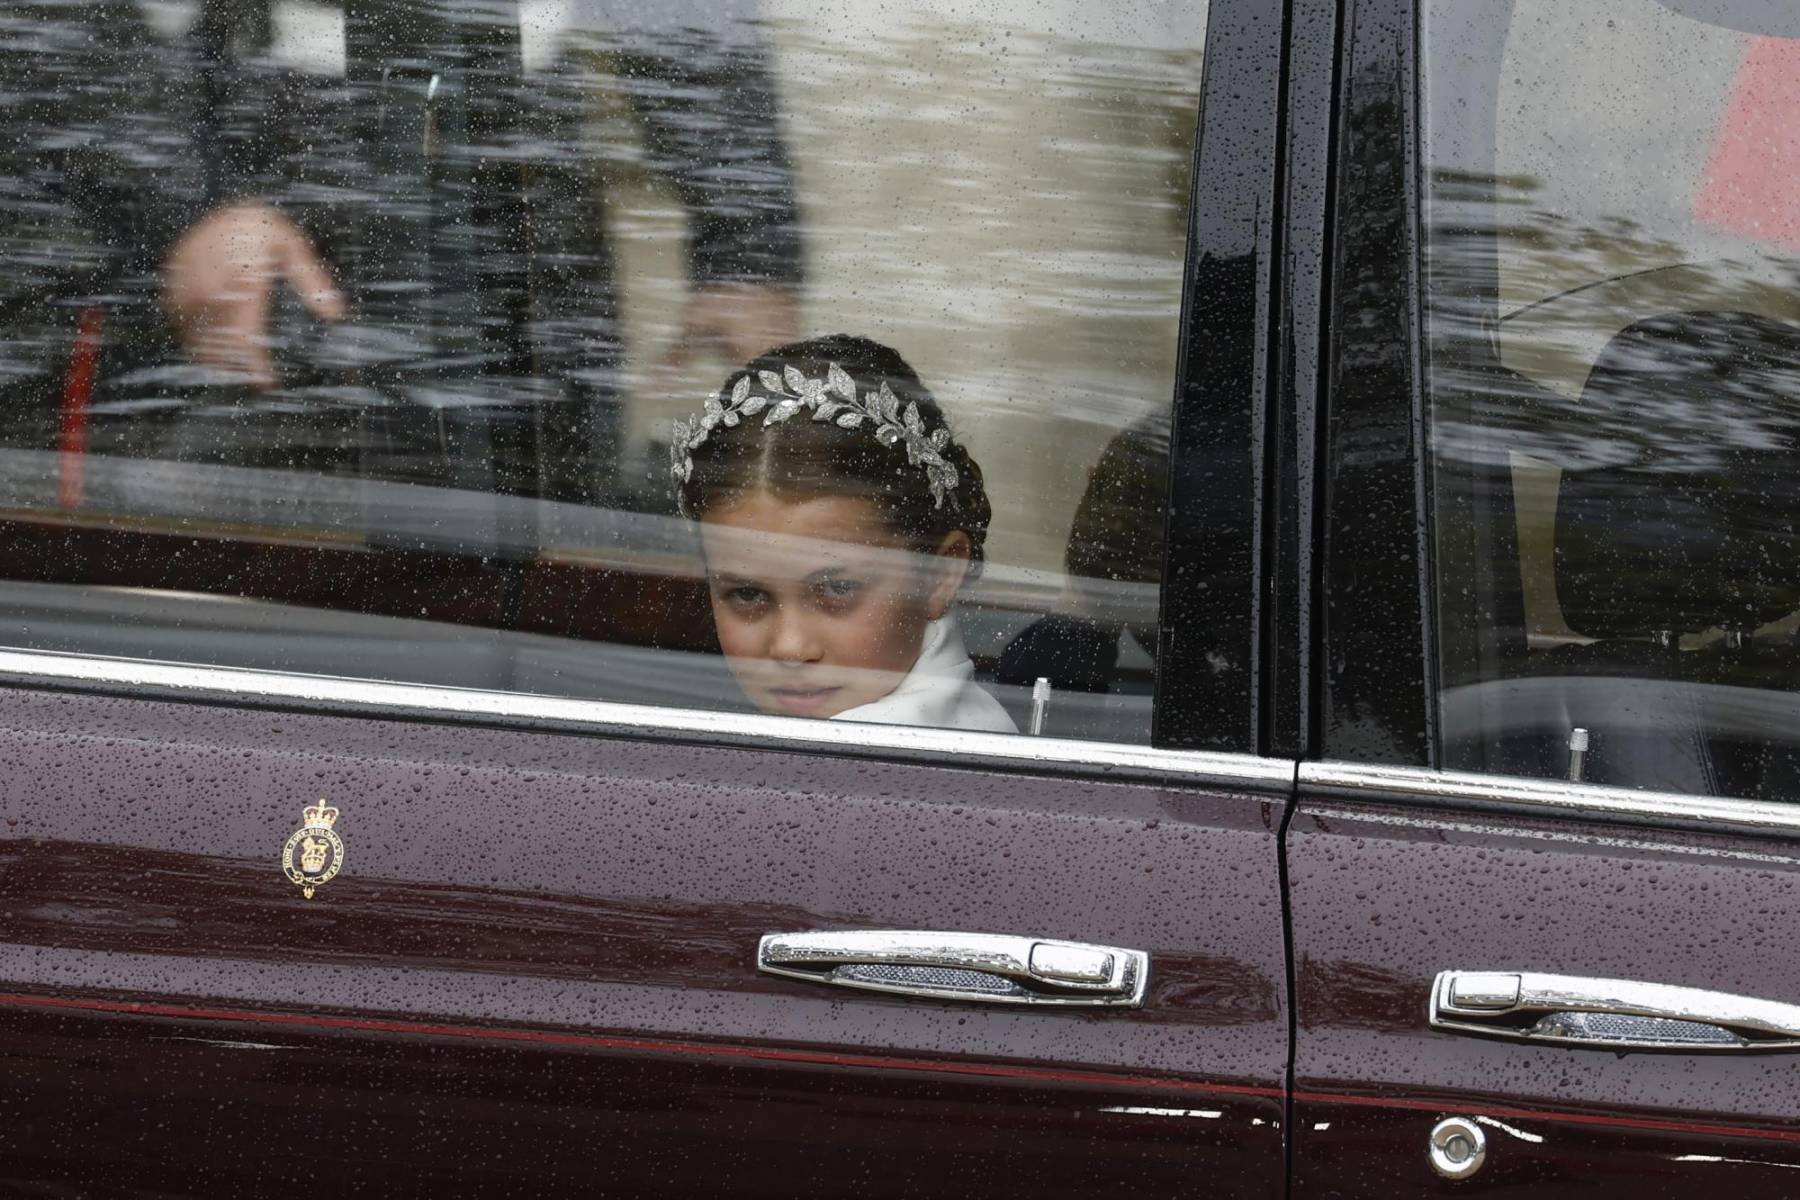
x=352 y=843
x=1542 y=864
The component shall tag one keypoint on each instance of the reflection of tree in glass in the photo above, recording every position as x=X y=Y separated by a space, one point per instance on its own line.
x=1522 y=303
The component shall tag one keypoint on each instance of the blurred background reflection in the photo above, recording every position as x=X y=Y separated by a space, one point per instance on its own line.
x=1613 y=250
x=362 y=324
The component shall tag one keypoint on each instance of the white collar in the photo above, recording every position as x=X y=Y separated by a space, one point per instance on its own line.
x=940 y=691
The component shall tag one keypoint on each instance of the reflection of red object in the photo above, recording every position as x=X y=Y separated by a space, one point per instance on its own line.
x=1752 y=181
x=78 y=388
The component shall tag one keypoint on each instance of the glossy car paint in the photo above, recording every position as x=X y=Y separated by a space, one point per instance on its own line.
x=1373 y=615
x=535 y=973
x=536 y=969
x=1294 y=441
x=1384 y=895
x=1213 y=580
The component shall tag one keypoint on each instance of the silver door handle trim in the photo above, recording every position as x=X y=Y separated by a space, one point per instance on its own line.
x=1619 y=1014
x=986 y=967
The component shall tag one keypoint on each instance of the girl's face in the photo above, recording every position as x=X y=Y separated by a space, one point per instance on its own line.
x=820 y=606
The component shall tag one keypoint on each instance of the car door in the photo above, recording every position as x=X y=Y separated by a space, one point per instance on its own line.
x=1541 y=864
x=375 y=822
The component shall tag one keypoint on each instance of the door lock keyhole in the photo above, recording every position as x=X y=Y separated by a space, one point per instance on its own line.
x=1458 y=1147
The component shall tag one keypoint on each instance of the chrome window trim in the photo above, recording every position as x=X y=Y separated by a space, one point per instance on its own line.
x=1467 y=790
x=337 y=696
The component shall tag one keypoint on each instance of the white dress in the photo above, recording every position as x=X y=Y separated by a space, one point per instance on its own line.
x=939 y=692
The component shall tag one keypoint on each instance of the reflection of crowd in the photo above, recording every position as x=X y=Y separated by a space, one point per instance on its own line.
x=388 y=259
x=398 y=271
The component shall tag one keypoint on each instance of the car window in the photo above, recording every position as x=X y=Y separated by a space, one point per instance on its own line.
x=433 y=342
x=1613 y=316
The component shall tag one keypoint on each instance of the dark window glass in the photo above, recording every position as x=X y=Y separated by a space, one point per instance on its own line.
x=348 y=339
x=1613 y=250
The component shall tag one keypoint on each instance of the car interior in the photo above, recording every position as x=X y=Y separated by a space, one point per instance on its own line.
x=1660 y=595
x=1615 y=381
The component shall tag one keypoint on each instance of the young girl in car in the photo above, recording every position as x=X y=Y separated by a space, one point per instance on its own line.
x=838 y=518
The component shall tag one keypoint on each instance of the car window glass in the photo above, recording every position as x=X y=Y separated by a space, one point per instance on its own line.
x=1612 y=243
x=352 y=340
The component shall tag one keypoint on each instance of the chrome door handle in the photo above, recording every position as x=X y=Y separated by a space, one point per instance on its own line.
x=989 y=967
x=1615 y=1014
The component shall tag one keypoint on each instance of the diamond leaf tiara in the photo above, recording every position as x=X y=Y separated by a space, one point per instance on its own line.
x=833 y=398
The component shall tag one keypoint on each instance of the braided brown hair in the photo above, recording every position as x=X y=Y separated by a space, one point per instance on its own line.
x=802 y=457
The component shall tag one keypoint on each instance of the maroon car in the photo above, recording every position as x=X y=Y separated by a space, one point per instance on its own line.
x=1387 y=549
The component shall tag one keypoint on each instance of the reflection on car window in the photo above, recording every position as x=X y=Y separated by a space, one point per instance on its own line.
x=348 y=339
x=1613 y=247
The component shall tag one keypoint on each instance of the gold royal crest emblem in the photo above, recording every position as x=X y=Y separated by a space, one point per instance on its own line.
x=315 y=854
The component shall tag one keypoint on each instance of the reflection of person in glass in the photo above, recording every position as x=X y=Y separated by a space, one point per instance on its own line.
x=433 y=198
x=839 y=517
x=1077 y=649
